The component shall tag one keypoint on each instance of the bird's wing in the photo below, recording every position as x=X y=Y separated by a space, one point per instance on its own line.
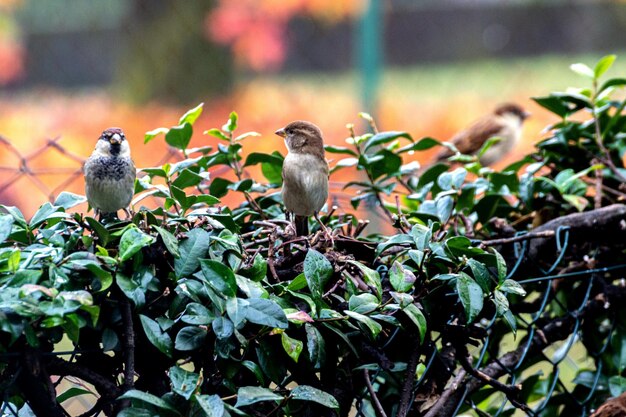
x=470 y=140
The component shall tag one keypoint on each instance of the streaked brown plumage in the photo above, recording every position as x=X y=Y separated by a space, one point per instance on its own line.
x=504 y=122
x=305 y=172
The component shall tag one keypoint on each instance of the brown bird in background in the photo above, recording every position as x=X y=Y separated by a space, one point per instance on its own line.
x=505 y=123
x=110 y=174
x=305 y=173
x=614 y=407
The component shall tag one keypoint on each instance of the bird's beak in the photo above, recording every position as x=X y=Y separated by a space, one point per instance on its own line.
x=281 y=133
x=526 y=115
x=116 y=139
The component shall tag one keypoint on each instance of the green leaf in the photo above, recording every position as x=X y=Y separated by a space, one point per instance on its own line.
x=339 y=150
x=179 y=196
x=617 y=385
x=153 y=133
x=110 y=341
x=258 y=270
x=184 y=383
x=219 y=186
x=371 y=277
x=402 y=280
x=156 y=336
x=401 y=299
x=315 y=345
x=500 y=267
x=132 y=241
x=247 y=135
x=187 y=178
x=603 y=65
x=179 y=136
x=385 y=137
x=216 y=133
x=236 y=308
x=103 y=234
x=253 y=395
x=135 y=412
x=190 y=338
x=71 y=393
x=169 y=240
x=512 y=287
x=317 y=271
x=308 y=393
x=17 y=215
x=272 y=172
x=191 y=249
x=582 y=69
x=220 y=277
x=257 y=158
x=198 y=314
x=212 y=405
x=614 y=82
x=131 y=289
x=191 y=116
x=231 y=124
x=577 y=201
x=371 y=325
x=292 y=346
x=6 y=225
x=553 y=104
x=363 y=303
x=45 y=212
x=421 y=145
x=68 y=200
x=471 y=296
x=266 y=313
x=222 y=327
x=488 y=144
x=417 y=317
x=481 y=274
x=501 y=302
x=149 y=399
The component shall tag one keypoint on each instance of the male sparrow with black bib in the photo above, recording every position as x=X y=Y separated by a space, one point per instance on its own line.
x=110 y=174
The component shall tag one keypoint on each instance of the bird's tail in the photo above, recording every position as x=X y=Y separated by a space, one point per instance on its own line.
x=302 y=225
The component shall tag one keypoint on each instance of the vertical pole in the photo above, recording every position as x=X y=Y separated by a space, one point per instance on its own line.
x=370 y=53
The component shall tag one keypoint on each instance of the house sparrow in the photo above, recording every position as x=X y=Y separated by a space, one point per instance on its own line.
x=110 y=174
x=305 y=173
x=505 y=123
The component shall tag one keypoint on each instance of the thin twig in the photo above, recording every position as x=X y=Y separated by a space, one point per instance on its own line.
x=597 y=199
x=406 y=391
x=527 y=236
x=445 y=397
x=600 y=142
x=270 y=257
x=400 y=215
x=377 y=405
x=510 y=391
x=362 y=225
x=129 y=345
x=469 y=227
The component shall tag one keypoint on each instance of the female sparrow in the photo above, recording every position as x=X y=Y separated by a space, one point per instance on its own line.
x=305 y=173
x=505 y=123
x=110 y=174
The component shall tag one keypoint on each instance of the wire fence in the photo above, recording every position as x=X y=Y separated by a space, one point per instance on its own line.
x=519 y=362
x=516 y=362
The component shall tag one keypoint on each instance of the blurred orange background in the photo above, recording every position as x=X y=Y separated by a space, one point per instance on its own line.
x=271 y=62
